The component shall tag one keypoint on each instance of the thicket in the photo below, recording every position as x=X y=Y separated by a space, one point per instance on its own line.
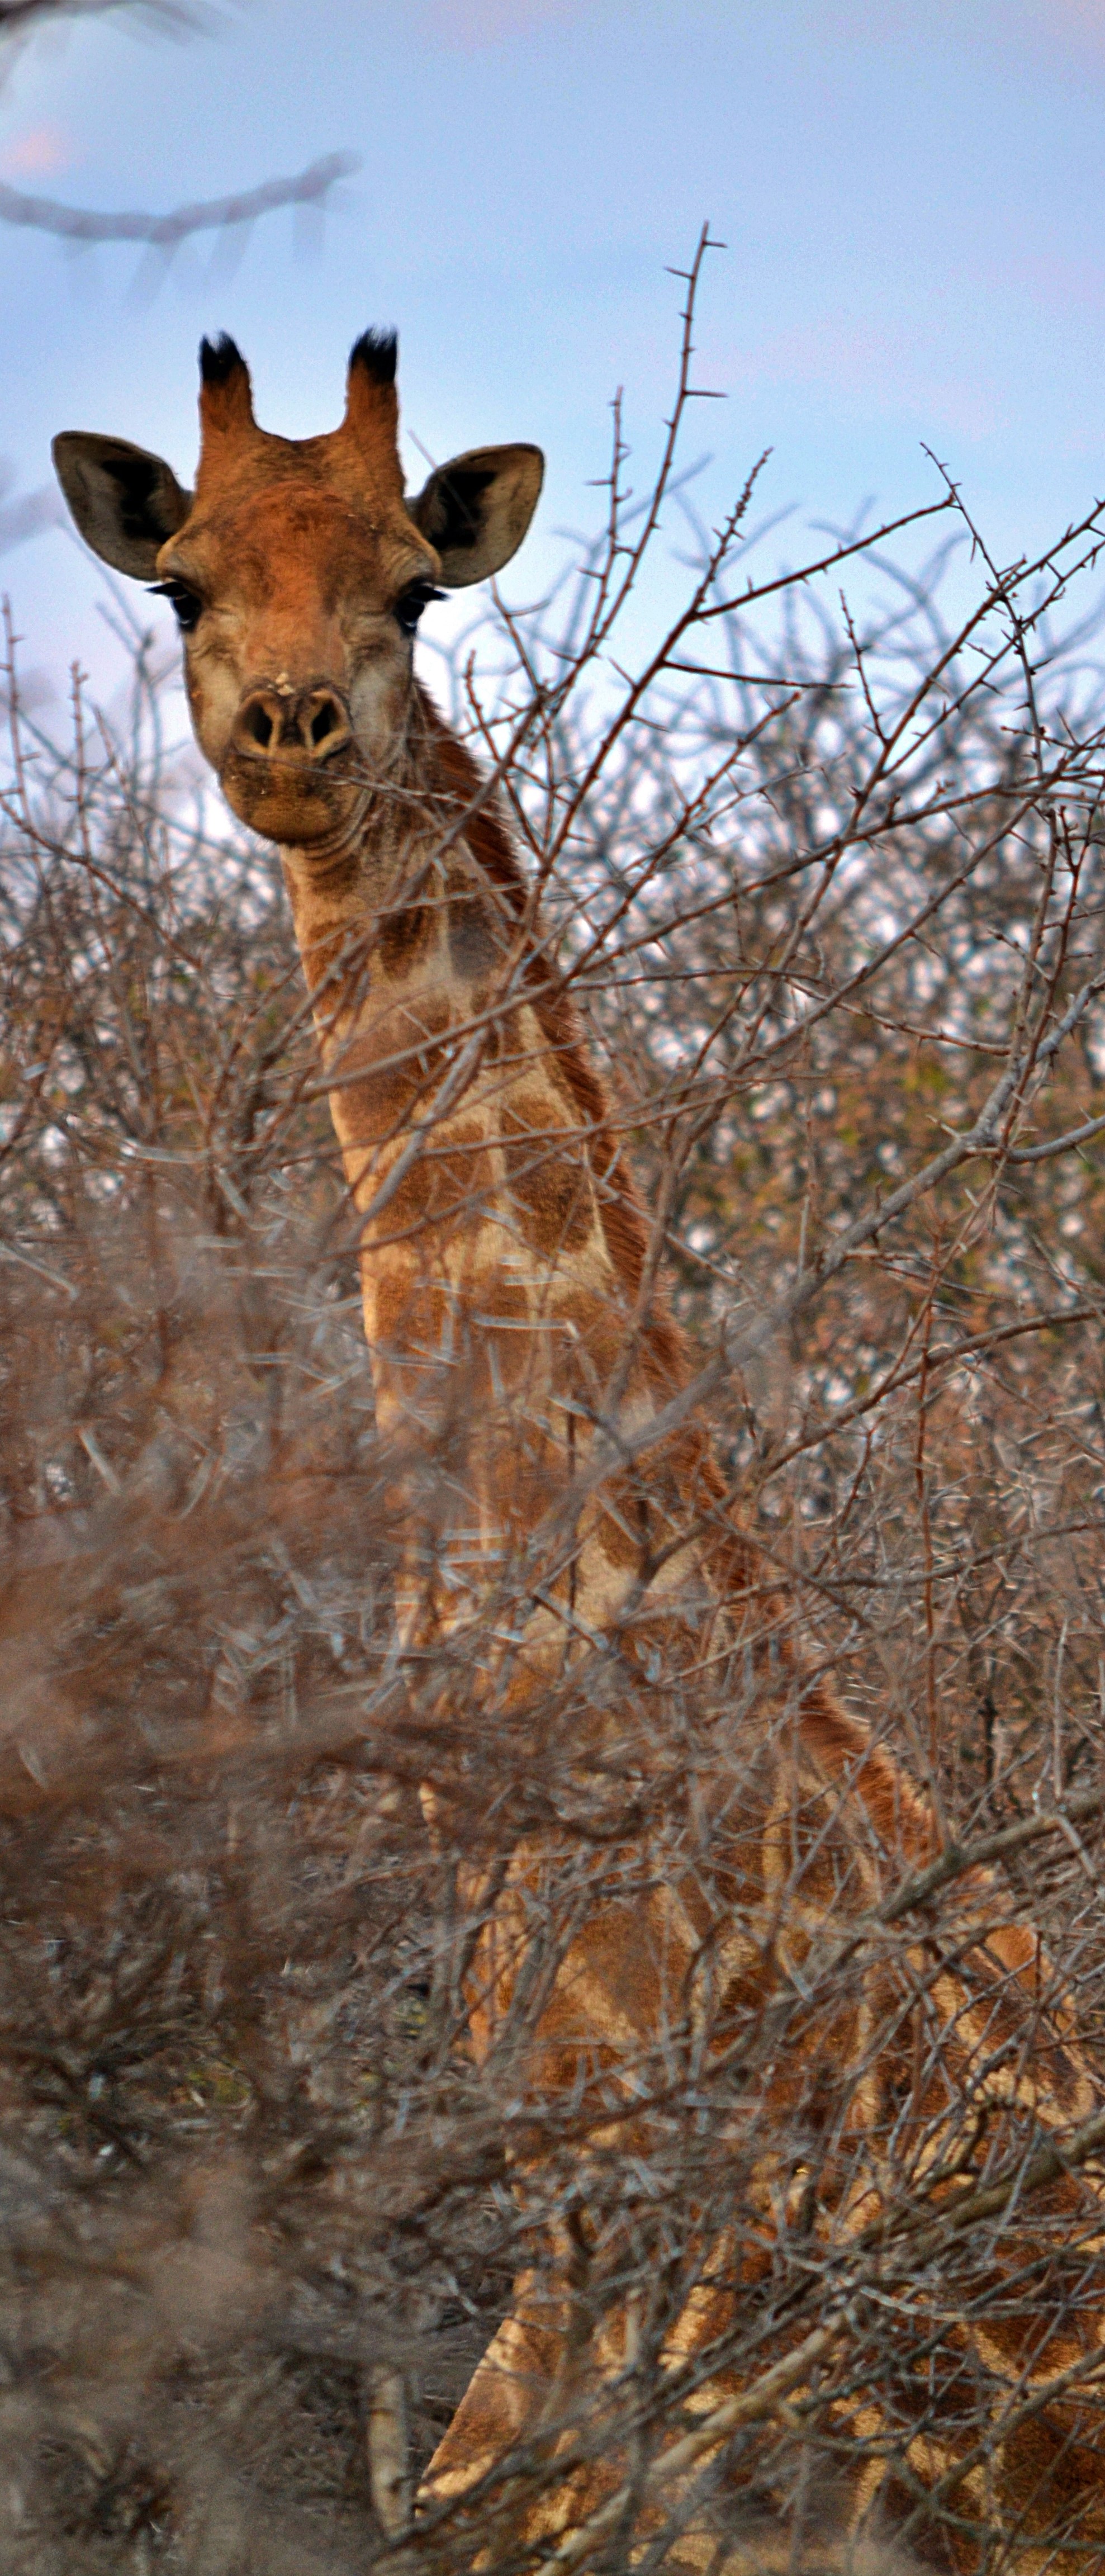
x=827 y=875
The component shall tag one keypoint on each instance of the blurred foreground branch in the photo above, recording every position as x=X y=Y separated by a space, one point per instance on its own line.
x=310 y=187
x=18 y=17
x=81 y=224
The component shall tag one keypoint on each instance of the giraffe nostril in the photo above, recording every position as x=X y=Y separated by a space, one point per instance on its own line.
x=258 y=724
x=291 y=726
x=326 y=721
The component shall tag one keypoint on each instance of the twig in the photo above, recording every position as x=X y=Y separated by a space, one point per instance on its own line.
x=218 y=214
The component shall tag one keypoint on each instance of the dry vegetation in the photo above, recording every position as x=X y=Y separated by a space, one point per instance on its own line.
x=839 y=931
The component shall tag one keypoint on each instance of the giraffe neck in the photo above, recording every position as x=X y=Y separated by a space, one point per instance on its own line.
x=501 y=1242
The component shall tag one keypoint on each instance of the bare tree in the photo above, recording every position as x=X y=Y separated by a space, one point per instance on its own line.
x=826 y=877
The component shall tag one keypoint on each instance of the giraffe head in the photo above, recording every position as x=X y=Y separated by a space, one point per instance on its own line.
x=298 y=571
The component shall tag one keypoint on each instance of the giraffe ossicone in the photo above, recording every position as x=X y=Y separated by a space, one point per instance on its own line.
x=724 y=1824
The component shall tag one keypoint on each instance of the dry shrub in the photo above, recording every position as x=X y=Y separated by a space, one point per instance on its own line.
x=256 y=2198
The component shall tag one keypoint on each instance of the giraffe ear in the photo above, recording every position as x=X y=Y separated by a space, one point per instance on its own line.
x=125 y=501
x=475 y=511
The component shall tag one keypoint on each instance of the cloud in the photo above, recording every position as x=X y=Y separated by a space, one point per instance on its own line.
x=42 y=149
x=1082 y=19
x=466 y=25
x=870 y=370
x=1062 y=29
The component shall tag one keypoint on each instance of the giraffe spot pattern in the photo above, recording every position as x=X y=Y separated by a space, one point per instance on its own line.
x=547 y=1174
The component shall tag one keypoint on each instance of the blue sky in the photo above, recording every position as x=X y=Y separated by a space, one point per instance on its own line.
x=912 y=193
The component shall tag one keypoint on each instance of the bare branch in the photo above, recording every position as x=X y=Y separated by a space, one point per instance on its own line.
x=163 y=232
x=179 y=16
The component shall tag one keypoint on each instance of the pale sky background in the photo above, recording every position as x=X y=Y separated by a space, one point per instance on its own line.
x=912 y=191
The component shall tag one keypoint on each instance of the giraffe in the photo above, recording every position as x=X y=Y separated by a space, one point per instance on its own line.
x=511 y=1317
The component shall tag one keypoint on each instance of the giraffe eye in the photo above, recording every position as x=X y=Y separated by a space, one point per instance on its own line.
x=411 y=602
x=187 y=603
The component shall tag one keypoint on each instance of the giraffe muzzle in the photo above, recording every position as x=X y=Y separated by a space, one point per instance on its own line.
x=291 y=768
x=275 y=723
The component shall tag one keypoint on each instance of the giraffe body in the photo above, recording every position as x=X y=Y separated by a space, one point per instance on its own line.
x=720 y=1823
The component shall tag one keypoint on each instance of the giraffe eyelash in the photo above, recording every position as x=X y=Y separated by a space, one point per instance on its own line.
x=411 y=602
x=187 y=603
